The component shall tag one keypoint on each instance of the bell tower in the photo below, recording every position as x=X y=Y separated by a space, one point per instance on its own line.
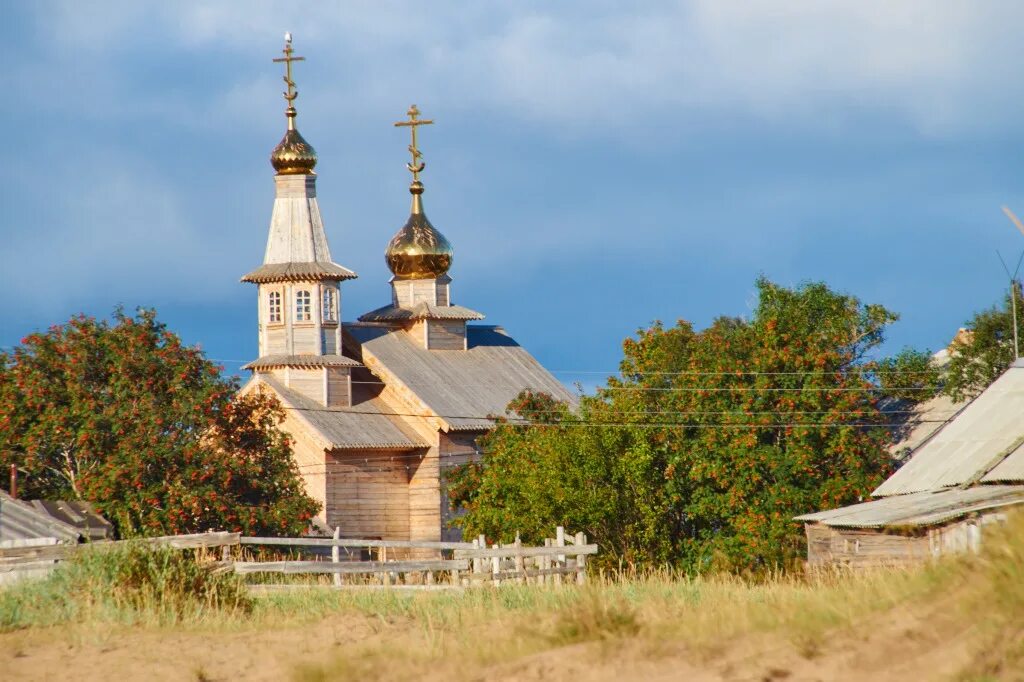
x=299 y=286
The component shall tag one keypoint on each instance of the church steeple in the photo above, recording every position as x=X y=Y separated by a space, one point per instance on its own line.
x=299 y=284
x=417 y=250
x=419 y=257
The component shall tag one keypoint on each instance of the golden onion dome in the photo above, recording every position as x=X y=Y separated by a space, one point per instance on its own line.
x=418 y=250
x=293 y=155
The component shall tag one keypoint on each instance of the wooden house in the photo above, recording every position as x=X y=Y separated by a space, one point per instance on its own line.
x=963 y=477
x=377 y=409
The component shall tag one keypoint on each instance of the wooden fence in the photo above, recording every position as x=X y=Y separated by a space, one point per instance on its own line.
x=33 y=560
x=456 y=563
x=419 y=564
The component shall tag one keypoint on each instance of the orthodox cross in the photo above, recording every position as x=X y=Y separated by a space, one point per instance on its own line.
x=292 y=93
x=417 y=166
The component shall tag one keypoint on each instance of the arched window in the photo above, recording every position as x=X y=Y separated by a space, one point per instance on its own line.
x=303 y=307
x=274 y=307
x=330 y=305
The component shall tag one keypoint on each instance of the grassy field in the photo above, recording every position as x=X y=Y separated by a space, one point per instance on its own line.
x=161 y=615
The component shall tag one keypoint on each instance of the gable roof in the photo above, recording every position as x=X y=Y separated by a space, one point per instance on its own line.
x=919 y=509
x=461 y=387
x=368 y=424
x=19 y=520
x=981 y=444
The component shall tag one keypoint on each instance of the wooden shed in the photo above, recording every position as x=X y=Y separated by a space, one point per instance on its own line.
x=960 y=479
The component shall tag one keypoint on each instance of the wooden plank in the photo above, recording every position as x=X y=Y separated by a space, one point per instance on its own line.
x=559 y=542
x=257 y=590
x=570 y=569
x=13 y=554
x=193 y=541
x=354 y=567
x=345 y=542
x=581 y=565
x=508 y=552
x=336 y=556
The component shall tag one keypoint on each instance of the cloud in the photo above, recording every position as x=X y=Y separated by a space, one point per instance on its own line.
x=606 y=69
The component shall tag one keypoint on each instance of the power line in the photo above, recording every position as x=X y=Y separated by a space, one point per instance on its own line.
x=505 y=421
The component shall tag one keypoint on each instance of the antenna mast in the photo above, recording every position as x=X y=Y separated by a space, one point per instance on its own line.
x=1013 y=282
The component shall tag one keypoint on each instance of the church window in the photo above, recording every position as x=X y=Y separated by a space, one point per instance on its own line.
x=330 y=305
x=274 y=307
x=303 y=307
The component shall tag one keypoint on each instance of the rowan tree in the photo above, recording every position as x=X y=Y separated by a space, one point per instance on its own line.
x=125 y=416
x=708 y=443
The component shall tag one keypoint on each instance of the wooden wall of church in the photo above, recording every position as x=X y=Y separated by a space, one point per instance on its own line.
x=425 y=497
x=367 y=494
x=277 y=340
x=309 y=456
x=445 y=335
x=308 y=382
x=338 y=391
x=305 y=339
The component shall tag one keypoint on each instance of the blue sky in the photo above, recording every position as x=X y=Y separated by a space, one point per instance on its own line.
x=597 y=165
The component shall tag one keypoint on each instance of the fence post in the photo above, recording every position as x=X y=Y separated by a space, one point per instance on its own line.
x=496 y=566
x=520 y=561
x=545 y=562
x=336 y=555
x=386 y=575
x=477 y=561
x=560 y=542
x=581 y=560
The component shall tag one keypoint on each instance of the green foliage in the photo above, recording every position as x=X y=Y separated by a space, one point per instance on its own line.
x=130 y=584
x=910 y=375
x=607 y=481
x=708 y=444
x=147 y=429
x=979 y=357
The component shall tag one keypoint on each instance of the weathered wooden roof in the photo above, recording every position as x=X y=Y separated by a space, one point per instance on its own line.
x=368 y=424
x=420 y=311
x=920 y=509
x=283 y=272
x=19 y=520
x=79 y=515
x=985 y=434
x=461 y=387
x=272 y=361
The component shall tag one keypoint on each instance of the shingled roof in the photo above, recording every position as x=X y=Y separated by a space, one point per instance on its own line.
x=420 y=311
x=461 y=387
x=368 y=424
x=283 y=272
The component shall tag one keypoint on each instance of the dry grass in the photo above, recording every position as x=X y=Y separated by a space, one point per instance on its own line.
x=829 y=620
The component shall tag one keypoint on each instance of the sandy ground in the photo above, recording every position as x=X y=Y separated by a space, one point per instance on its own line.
x=898 y=646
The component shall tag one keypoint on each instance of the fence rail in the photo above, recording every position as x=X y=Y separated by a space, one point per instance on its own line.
x=413 y=564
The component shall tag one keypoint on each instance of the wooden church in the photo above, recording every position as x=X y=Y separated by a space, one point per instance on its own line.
x=380 y=408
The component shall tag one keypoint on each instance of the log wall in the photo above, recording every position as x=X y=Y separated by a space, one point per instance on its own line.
x=446 y=335
x=368 y=494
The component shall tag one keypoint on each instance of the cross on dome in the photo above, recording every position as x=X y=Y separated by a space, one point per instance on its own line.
x=417 y=166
